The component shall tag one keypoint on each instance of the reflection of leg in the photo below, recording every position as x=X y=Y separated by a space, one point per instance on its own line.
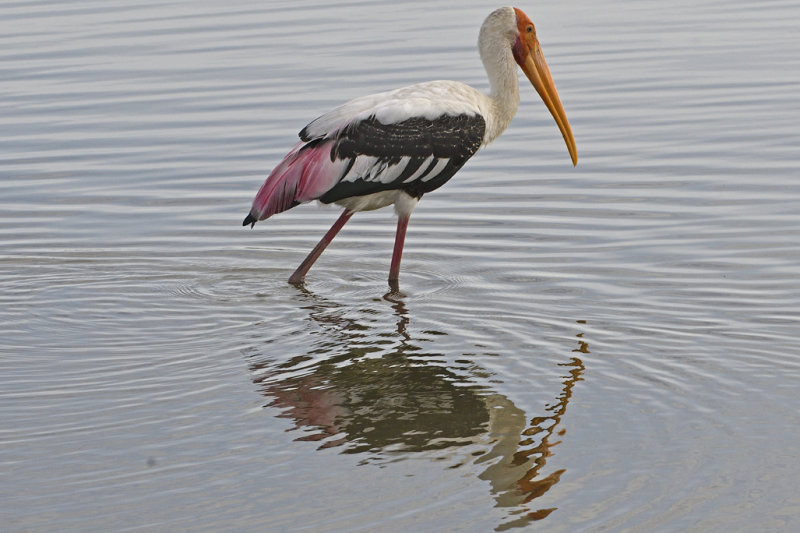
x=300 y=274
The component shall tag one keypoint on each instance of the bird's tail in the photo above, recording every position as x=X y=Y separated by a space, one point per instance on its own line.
x=305 y=174
x=249 y=219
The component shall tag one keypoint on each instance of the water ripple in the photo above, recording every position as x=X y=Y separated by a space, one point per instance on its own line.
x=611 y=346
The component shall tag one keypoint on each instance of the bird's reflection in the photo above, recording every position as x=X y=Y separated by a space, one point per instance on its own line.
x=376 y=393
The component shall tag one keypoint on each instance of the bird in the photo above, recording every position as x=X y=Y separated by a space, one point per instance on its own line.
x=393 y=147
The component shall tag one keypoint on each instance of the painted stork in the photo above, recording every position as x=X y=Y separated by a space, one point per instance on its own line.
x=393 y=147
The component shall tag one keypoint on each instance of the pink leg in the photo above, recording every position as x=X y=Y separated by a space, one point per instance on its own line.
x=399 y=239
x=300 y=274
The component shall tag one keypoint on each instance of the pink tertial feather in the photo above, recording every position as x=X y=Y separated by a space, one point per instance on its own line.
x=303 y=175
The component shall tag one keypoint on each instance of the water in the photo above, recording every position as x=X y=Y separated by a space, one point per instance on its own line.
x=609 y=347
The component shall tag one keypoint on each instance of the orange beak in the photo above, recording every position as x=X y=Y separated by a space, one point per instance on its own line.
x=529 y=56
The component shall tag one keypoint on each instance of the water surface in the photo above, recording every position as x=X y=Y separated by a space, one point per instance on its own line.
x=609 y=347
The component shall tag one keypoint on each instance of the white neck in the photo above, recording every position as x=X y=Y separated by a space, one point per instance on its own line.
x=504 y=94
x=498 y=60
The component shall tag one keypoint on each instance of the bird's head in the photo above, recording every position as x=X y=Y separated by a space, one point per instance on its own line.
x=521 y=33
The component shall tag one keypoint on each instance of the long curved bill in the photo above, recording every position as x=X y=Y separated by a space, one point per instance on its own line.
x=535 y=68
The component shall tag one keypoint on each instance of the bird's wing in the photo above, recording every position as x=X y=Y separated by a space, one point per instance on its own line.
x=414 y=139
x=417 y=154
x=428 y=100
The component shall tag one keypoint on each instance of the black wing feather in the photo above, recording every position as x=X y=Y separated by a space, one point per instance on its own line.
x=455 y=138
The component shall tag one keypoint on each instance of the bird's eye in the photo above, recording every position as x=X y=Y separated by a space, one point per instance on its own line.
x=529 y=29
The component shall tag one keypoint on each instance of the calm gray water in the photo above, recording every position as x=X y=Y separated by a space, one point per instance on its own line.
x=612 y=347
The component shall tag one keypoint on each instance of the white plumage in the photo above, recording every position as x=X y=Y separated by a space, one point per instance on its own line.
x=429 y=100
